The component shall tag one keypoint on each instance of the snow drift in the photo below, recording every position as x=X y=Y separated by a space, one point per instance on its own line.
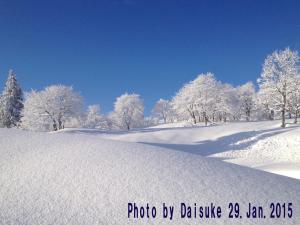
x=84 y=179
x=262 y=145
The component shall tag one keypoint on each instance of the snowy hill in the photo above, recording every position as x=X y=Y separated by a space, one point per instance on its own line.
x=80 y=177
x=262 y=145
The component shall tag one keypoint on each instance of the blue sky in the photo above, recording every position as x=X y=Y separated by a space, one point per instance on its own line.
x=107 y=47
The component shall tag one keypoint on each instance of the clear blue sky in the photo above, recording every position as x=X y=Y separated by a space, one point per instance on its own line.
x=107 y=47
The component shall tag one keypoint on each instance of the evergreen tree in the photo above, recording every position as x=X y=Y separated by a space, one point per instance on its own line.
x=11 y=102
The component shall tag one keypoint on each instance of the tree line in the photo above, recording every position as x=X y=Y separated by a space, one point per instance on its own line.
x=202 y=100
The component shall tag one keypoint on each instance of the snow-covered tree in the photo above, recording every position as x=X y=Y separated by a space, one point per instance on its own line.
x=293 y=102
x=49 y=109
x=246 y=94
x=11 y=102
x=112 y=121
x=128 y=111
x=198 y=98
x=162 y=110
x=227 y=106
x=206 y=88
x=265 y=104
x=184 y=103
x=278 y=79
x=93 y=117
x=77 y=121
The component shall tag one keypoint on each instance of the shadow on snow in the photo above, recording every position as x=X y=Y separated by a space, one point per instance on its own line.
x=237 y=141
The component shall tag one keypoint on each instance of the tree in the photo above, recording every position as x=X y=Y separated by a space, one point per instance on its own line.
x=227 y=105
x=206 y=88
x=11 y=102
x=128 y=111
x=50 y=108
x=198 y=98
x=184 y=103
x=293 y=102
x=246 y=94
x=161 y=110
x=278 y=78
x=265 y=104
x=93 y=118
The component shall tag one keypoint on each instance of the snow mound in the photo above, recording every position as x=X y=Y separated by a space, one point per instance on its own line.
x=262 y=145
x=279 y=153
x=64 y=178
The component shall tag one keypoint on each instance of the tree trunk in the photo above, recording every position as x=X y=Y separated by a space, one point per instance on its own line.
x=54 y=125
x=192 y=114
x=205 y=118
x=272 y=115
x=194 y=118
x=164 y=117
x=283 y=112
x=283 y=118
x=296 y=117
x=248 y=115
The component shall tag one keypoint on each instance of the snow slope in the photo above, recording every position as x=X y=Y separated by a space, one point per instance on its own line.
x=279 y=153
x=62 y=178
x=262 y=145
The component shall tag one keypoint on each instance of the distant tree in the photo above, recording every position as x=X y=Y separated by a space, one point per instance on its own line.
x=162 y=110
x=293 y=102
x=246 y=94
x=77 y=121
x=198 y=98
x=11 y=102
x=113 y=122
x=227 y=106
x=51 y=108
x=128 y=111
x=93 y=117
x=206 y=88
x=184 y=103
x=278 y=79
x=265 y=104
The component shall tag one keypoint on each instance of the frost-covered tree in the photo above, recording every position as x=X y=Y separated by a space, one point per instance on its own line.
x=128 y=111
x=112 y=121
x=184 y=103
x=11 y=102
x=93 y=117
x=246 y=94
x=206 y=89
x=77 y=121
x=162 y=110
x=198 y=98
x=227 y=106
x=293 y=102
x=50 y=108
x=265 y=104
x=278 y=79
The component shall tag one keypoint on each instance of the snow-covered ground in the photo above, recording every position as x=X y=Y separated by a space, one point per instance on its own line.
x=262 y=145
x=89 y=177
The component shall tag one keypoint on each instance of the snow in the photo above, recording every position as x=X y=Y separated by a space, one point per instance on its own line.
x=261 y=145
x=82 y=176
x=277 y=152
